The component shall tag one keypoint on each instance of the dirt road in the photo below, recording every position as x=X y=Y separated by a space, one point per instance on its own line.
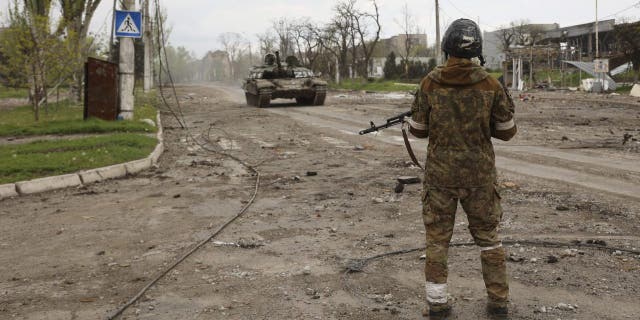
x=326 y=197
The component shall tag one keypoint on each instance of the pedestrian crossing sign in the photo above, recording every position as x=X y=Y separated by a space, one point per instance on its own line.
x=128 y=24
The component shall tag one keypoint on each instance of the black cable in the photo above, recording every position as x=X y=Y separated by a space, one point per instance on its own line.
x=358 y=265
x=180 y=119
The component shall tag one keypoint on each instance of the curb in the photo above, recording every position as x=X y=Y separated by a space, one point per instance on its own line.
x=86 y=177
x=8 y=191
x=48 y=183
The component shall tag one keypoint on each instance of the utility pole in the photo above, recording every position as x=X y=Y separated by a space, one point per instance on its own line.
x=126 y=70
x=148 y=48
x=597 y=36
x=438 y=49
x=600 y=76
x=113 y=22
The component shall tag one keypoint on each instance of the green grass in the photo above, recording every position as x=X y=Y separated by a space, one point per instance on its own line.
x=375 y=86
x=7 y=93
x=49 y=158
x=571 y=77
x=66 y=118
x=624 y=89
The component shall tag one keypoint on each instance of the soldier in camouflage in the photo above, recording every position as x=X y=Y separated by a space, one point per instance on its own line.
x=459 y=107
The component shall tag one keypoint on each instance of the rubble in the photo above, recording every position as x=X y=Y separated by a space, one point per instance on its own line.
x=566 y=307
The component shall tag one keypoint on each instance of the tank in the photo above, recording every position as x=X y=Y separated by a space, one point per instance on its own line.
x=283 y=80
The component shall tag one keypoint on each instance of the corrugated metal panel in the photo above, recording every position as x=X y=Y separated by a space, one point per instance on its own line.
x=101 y=90
x=589 y=67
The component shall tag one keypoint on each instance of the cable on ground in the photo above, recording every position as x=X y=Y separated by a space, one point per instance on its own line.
x=179 y=116
x=358 y=265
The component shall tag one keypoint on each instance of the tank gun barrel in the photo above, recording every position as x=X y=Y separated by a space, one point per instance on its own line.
x=278 y=61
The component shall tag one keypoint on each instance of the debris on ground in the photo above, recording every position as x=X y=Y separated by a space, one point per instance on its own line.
x=409 y=180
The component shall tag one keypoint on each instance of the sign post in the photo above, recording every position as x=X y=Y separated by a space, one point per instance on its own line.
x=601 y=67
x=128 y=25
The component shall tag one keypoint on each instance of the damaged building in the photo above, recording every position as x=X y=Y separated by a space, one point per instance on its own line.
x=536 y=47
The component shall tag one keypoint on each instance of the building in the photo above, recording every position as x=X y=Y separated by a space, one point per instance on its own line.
x=493 y=45
x=566 y=43
x=397 y=44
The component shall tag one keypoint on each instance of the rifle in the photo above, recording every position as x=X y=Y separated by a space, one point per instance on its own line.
x=399 y=119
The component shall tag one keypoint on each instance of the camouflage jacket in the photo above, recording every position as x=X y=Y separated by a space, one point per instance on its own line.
x=460 y=107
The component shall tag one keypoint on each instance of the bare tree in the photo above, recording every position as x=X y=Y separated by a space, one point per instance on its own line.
x=283 y=29
x=521 y=32
x=267 y=41
x=233 y=44
x=335 y=38
x=75 y=22
x=408 y=26
x=361 y=22
x=507 y=38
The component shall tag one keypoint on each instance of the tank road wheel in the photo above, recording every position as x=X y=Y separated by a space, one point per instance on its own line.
x=304 y=101
x=319 y=98
x=252 y=99
x=264 y=100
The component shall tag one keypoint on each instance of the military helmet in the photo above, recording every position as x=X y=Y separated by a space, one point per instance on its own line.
x=270 y=59
x=463 y=39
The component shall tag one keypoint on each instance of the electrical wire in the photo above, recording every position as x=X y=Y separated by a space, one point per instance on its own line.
x=636 y=5
x=180 y=118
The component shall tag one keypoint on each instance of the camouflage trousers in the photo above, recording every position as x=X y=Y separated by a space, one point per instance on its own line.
x=482 y=206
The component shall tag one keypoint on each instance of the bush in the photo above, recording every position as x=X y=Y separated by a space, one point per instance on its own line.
x=391 y=70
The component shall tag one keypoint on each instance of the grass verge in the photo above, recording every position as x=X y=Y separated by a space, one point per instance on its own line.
x=49 y=158
x=67 y=118
x=375 y=86
x=9 y=93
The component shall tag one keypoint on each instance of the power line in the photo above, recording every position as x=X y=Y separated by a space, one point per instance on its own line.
x=636 y=5
x=470 y=16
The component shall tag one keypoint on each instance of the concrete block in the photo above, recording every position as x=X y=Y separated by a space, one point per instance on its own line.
x=635 y=91
x=48 y=184
x=91 y=176
x=155 y=155
x=112 y=172
x=8 y=191
x=137 y=166
x=160 y=129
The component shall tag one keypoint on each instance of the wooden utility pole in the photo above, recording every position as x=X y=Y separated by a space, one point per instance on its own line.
x=127 y=70
x=438 y=48
x=148 y=48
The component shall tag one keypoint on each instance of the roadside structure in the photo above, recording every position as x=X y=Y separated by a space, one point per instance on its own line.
x=549 y=50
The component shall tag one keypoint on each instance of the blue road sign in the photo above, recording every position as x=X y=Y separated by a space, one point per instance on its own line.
x=128 y=24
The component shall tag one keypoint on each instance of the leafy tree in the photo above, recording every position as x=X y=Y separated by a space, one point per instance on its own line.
x=33 y=55
x=628 y=38
x=75 y=22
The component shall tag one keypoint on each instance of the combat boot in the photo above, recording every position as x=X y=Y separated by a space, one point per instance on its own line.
x=498 y=311
x=437 y=312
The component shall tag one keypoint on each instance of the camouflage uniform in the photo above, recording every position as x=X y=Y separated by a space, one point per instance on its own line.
x=460 y=107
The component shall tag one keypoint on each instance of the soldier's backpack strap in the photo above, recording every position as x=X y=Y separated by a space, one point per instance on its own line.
x=407 y=144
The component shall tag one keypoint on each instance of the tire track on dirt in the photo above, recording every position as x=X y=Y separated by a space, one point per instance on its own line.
x=321 y=118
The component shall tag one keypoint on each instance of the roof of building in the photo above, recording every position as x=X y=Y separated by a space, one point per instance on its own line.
x=581 y=29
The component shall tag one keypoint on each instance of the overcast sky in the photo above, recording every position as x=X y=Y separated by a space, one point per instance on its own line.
x=196 y=24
